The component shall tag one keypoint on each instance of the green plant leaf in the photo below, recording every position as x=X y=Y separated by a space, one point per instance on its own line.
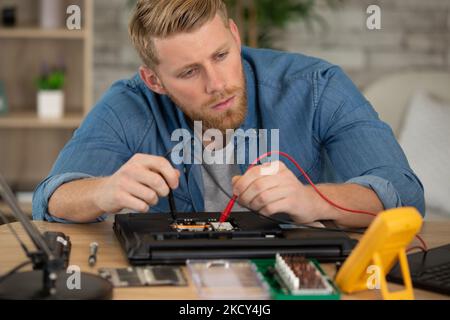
x=52 y=81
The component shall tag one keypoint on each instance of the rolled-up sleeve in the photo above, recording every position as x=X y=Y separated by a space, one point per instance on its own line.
x=363 y=149
x=45 y=190
x=384 y=189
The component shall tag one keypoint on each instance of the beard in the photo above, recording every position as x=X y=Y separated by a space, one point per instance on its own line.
x=231 y=118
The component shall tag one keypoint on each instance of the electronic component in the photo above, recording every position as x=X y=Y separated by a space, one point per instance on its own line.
x=59 y=244
x=301 y=276
x=93 y=249
x=144 y=276
x=222 y=226
x=158 y=239
x=193 y=226
x=198 y=225
x=383 y=244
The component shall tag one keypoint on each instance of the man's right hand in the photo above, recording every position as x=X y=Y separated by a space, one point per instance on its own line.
x=137 y=185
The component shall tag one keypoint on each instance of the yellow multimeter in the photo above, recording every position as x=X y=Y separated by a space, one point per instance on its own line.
x=383 y=244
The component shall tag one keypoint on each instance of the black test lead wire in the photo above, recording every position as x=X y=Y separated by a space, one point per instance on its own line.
x=172 y=205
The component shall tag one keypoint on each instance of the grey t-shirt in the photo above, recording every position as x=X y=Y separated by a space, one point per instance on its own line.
x=215 y=199
x=222 y=165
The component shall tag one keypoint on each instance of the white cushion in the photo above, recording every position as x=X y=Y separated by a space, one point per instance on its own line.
x=425 y=138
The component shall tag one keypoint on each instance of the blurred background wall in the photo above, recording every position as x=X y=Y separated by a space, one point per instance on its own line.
x=415 y=35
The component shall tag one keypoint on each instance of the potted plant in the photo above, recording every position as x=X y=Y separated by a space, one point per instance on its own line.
x=260 y=19
x=50 y=97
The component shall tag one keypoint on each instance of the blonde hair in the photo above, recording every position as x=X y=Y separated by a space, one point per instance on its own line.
x=163 y=18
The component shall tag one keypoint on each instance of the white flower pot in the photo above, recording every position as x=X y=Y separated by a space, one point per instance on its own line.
x=51 y=14
x=50 y=104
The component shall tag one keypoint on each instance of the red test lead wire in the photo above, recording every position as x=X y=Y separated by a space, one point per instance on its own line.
x=227 y=211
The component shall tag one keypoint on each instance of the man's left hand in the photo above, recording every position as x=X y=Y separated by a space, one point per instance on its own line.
x=272 y=188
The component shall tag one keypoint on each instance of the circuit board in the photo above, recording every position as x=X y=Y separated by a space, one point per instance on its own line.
x=199 y=225
x=294 y=277
x=301 y=276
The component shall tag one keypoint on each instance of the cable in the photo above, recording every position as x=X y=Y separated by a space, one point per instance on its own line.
x=414 y=248
x=265 y=155
x=6 y=222
x=277 y=220
x=14 y=270
x=229 y=207
x=172 y=204
x=227 y=211
x=424 y=245
x=171 y=198
x=24 y=247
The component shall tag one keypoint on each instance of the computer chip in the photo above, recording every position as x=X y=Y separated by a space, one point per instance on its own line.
x=191 y=225
x=222 y=226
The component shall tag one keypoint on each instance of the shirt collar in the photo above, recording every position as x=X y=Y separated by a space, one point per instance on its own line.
x=250 y=121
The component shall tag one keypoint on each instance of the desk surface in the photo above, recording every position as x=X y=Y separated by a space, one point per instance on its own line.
x=111 y=255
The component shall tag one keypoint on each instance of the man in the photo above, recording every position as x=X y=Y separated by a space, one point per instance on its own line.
x=196 y=70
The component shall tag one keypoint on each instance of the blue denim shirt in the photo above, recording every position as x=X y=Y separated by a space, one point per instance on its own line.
x=325 y=123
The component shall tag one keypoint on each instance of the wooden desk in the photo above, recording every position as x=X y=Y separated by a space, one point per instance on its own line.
x=111 y=255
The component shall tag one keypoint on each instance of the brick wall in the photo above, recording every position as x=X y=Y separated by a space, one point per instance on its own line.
x=415 y=34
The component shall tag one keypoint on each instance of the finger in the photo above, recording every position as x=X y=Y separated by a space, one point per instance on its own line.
x=152 y=180
x=258 y=186
x=267 y=197
x=142 y=192
x=272 y=208
x=235 y=179
x=244 y=181
x=135 y=204
x=161 y=166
